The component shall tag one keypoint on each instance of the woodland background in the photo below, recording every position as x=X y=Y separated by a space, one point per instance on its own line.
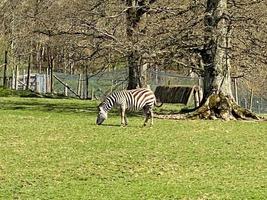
x=80 y=36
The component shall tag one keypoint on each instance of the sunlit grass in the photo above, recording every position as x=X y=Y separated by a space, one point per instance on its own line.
x=52 y=149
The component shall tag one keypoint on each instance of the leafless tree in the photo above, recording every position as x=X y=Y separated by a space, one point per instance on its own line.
x=199 y=35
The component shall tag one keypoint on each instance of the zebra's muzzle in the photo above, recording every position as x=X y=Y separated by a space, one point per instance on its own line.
x=100 y=118
x=99 y=121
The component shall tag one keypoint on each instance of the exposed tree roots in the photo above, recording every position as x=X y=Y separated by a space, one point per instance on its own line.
x=217 y=106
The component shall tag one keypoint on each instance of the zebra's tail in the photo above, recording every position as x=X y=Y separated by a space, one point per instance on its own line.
x=158 y=103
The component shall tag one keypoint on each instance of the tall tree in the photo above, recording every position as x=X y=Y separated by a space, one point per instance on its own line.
x=215 y=54
x=136 y=9
x=218 y=100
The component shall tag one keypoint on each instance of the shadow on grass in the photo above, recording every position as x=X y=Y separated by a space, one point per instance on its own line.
x=86 y=107
x=130 y=125
x=112 y=125
x=46 y=106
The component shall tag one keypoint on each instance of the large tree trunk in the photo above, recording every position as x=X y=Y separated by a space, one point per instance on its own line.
x=135 y=12
x=133 y=66
x=133 y=56
x=218 y=101
x=215 y=53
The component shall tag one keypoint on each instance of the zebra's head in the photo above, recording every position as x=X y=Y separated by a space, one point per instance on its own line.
x=102 y=115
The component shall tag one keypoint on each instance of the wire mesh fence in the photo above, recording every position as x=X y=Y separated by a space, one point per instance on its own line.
x=103 y=83
x=99 y=85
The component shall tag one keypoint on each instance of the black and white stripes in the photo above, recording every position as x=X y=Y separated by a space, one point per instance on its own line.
x=132 y=100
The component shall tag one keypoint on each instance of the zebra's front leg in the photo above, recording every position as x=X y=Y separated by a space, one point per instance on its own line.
x=146 y=120
x=125 y=119
x=146 y=116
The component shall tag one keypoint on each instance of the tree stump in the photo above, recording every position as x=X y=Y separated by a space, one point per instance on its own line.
x=217 y=106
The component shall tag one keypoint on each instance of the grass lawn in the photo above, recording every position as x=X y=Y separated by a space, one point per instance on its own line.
x=52 y=149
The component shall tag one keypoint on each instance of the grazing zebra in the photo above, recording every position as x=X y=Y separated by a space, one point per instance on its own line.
x=132 y=100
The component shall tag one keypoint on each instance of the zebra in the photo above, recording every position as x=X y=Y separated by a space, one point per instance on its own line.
x=132 y=100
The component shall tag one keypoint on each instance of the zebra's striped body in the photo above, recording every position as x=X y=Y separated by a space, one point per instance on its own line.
x=132 y=100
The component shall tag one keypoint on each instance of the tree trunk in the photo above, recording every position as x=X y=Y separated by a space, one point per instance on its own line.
x=135 y=13
x=86 y=82
x=5 y=71
x=133 y=66
x=50 y=63
x=215 y=53
x=218 y=97
x=52 y=73
x=137 y=9
x=132 y=57
x=218 y=101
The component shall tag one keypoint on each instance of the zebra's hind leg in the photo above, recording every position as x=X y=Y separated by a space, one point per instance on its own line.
x=124 y=120
x=151 y=116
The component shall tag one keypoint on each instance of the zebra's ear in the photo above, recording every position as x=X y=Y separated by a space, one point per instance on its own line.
x=100 y=105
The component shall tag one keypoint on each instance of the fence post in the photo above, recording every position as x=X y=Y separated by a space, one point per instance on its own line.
x=16 y=77
x=47 y=81
x=196 y=96
x=235 y=88
x=51 y=74
x=66 y=90
x=79 y=85
x=13 y=80
x=24 y=79
x=92 y=93
x=37 y=87
x=157 y=76
x=251 y=99
x=200 y=91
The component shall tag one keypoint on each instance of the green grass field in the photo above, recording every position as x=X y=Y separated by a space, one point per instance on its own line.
x=52 y=149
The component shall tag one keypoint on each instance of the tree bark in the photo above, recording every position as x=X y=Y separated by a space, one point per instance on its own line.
x=86 y=82
x=133 y=66
x=52 y=73
x=215 y=53
x=5 y=71
x=136 y=10
x=132 y=57
x=218 y=101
